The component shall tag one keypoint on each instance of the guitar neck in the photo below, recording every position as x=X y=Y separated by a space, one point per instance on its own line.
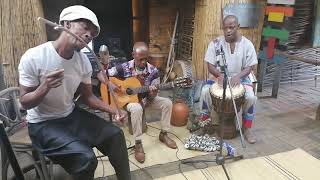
x=144 y=89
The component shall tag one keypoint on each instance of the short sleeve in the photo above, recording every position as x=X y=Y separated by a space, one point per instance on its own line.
x=251 y=56
x=28 y=74
x=87 y=70
x=112 y=71
x=210 y=55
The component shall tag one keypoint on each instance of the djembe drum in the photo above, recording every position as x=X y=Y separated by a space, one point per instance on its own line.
x=227 y=111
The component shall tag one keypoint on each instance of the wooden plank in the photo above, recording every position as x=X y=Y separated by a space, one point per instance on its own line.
x=288 y=11
x=286 y=2
x=276 y=16
x=277 y=33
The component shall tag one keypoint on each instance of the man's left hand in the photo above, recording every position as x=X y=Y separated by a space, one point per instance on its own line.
x=235 y=81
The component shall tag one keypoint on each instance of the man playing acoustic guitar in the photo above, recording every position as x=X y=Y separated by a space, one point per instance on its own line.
x=148 y=75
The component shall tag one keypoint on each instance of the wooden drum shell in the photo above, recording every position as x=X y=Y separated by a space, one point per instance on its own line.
x=227 y=112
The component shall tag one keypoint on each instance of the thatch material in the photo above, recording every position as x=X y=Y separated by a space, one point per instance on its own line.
x=208 y=16
x=19 y=30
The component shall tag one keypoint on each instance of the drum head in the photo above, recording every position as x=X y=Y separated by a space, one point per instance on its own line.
x=217 y=91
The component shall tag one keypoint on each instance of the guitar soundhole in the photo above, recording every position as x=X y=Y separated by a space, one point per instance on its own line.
x=129 y=91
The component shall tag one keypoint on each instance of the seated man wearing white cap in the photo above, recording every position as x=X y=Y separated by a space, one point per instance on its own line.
x=49 y=75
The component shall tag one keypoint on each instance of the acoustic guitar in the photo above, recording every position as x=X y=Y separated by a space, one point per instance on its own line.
x=131 y=87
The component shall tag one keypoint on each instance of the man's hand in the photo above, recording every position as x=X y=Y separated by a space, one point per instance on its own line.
x=235 y=81
x=220 y=79
x=153 y=91
x=119 y=118
x=54 y=78
x=101 y=78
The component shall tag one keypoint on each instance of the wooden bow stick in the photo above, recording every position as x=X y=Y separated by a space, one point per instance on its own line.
x=106 y=80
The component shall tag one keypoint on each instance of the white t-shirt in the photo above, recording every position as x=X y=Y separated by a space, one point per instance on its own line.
x=244 y=54
x=43 y=59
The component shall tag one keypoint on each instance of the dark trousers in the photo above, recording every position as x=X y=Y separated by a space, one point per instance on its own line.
x=69 y=141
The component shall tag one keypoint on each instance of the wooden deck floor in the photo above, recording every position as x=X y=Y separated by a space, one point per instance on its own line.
x=281 y=124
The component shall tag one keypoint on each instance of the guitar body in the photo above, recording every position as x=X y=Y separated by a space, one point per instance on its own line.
x=131 y=87
x=122 y=97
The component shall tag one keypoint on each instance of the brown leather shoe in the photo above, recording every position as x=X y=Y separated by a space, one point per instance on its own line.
x=139 y=152
x=164 y=138
x=249 y=136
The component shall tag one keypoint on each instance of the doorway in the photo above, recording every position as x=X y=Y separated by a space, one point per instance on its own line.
x=115 y=19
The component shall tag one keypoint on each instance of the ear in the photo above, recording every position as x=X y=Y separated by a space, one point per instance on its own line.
x=68 y=24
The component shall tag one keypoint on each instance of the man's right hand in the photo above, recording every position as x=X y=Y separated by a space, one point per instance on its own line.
x=114 y=87
x=119 y=117
x=220 y=79
x=54 y=78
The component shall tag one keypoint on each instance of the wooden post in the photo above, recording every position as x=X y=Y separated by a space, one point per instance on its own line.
x=262 y=73
x=2 y=85
x=316 y=35
x=276 y=80
x=140 y=20
x=318 y=113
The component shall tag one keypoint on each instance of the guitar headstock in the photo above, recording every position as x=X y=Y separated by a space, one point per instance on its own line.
x=183 y=82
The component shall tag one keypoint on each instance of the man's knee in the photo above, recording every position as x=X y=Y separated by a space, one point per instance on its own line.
x=119 y=137
x=167 y=103
x=86 y=166
x=119 y=141
x=251 y=99
x=135 y=108
x=88 y=162
x=205 y=90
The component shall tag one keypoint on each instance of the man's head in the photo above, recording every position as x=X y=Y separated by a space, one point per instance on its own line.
x=230 y=27
x=140 y=53
x=80 y=21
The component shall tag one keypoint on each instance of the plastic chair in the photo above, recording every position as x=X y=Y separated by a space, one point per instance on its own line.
x=17 y=131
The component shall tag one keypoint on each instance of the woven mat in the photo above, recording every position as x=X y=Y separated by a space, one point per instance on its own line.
x=156 y=152
x=291 y=165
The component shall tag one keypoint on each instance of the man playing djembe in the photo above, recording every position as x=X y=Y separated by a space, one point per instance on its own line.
x=240 y=58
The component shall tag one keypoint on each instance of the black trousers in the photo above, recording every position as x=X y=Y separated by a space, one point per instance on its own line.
x=69 y=141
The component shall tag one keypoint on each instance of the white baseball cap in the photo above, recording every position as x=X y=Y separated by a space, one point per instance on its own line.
x=75 y=12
